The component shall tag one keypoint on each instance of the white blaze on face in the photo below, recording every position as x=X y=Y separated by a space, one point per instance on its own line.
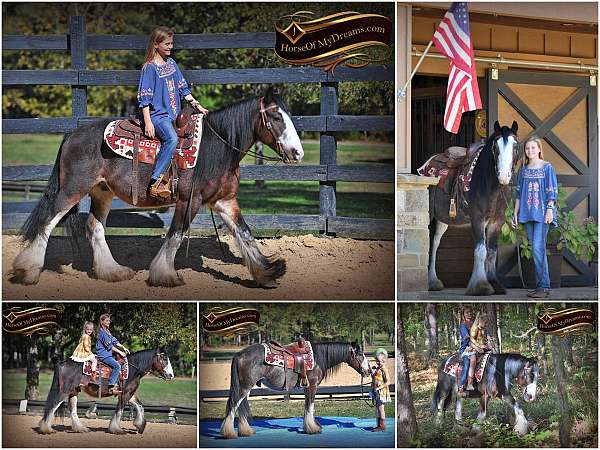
x=365 y=364
x=169 y=370
x=290 y=139
x=505 y=159
x=531 y=390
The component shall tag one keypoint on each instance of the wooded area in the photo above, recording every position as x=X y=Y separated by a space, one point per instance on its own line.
x=138 y=326
x=564 y=412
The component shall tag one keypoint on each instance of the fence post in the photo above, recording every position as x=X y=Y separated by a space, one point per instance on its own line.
x=328 y=150
x=78 y=47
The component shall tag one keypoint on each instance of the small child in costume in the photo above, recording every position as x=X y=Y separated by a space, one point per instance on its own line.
x=83 y=351
x=381 y=392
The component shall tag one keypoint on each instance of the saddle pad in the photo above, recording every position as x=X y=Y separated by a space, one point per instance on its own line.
x=437 y=166
x=287 y=360
x=105 y=370
x=454 y=362
x=124 y=146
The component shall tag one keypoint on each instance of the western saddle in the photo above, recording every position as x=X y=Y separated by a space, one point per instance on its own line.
x=132 y=129
x=296 y=350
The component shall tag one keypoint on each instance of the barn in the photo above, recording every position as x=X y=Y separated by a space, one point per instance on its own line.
x=536 y=64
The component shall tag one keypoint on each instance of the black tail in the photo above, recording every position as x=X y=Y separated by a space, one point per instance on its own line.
x=45 y=210
x=234 y=393
x=54 y=395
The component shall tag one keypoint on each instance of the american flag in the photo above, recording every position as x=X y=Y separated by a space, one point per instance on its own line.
x=453 y=39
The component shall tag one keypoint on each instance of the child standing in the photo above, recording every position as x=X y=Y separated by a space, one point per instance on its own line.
x=161 y=85
x=83 y=351
x=381 y=391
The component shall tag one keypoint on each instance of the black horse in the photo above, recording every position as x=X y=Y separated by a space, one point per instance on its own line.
x=502 y=371
x=484 y=211
x=85 y=165
x=248 y=368
x=69 y=381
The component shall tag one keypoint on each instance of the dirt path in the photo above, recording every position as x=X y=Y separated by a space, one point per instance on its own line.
x=216 y=376
x=317 y=268
x=20 y=431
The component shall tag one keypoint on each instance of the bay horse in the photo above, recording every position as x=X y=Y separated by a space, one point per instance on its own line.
x=248 y=368
x=85 y=165
x=484 y=211
x=68 y=377
x=502 y=371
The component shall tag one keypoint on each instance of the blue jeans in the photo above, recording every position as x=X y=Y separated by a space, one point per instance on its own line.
x=168 y=138
x=465 y=371
x=537 y=232
x=112 y=362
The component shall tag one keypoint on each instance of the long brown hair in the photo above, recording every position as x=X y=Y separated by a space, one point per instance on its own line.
x=102 y=317
x=158 y=35
x=538 y=141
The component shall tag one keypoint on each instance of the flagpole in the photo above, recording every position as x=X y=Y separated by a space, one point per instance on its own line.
x=402 y=92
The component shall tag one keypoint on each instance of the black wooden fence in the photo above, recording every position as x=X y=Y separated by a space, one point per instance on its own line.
x=328 y=123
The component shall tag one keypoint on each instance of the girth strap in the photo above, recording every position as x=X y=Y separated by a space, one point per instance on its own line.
x=134 y=169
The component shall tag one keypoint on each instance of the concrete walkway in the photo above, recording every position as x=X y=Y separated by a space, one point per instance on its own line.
x=560 y=294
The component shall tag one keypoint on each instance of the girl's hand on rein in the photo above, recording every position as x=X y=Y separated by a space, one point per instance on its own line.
x=196 y=104
x=514 y=221
x=548 y=218
x=150 y=130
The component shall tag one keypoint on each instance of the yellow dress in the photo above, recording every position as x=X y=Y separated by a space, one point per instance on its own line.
x=382 y=377
x=478 y=336
x=83 y=351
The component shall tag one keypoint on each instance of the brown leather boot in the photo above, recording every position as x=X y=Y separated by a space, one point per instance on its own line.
x=160 y=190
x=380 y=426
x=114 y=390
x=303 y=376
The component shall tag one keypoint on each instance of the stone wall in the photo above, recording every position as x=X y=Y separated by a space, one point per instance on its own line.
x=413 y=233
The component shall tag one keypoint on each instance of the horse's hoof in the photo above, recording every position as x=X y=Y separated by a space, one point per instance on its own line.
x=436 y=285
x=45 y=429
x=117 y=431
x=267 y=284
x=166 y=281
x=115 y=274
x=229 y=435
x=26 y=276
x=246 y=432
x=481 y=288
x=81 y=430
x=499 y=290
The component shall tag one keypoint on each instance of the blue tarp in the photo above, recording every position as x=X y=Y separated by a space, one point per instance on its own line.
x=271 y=433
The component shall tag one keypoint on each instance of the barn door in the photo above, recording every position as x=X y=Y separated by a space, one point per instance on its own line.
x=560 y=109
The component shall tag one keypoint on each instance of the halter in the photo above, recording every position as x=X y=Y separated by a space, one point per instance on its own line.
x=369 y=401
x=269 y=126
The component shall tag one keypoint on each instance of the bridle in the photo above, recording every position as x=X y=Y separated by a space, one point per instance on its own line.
x=144 y=373
x=368 y=400
x=527 y=369
x=269 y=126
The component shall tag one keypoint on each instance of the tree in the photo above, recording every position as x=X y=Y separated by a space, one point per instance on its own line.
x=32 y=391
x=561 y=380
x=494 y=324
x=407 y=421
x=431 y=329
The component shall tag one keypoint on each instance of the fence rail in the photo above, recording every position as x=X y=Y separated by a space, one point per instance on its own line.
x=78 y=43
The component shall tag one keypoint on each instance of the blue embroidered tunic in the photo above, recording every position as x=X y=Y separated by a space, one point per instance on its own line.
x=160 y=87
x=104 y=344
x=465 y=337
x=535 y=188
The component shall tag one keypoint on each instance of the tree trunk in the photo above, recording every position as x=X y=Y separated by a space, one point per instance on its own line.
x=561 y=381
x=494 y=326
x=540 y=342
x=407 y=420
x=431 y=328
x=32 y=388
x=567 y=343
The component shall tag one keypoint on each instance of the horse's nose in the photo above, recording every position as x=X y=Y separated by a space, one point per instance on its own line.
x=297 y=154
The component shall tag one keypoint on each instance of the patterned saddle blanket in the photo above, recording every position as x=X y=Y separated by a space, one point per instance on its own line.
x=452 y=164
x=288 y=357
x=104 y=370
x=454 y=365
x=121 y=136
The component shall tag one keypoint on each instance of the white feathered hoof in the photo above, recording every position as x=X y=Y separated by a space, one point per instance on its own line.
x=45 y=428
x=26 y=276
x=165 y=279
x=436 y=285
x=114 y=273
x=480 y=288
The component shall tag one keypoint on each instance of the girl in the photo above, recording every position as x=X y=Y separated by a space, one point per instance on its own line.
x=381 y=392
x=478 y=343
x=160 y=86
x=83 y=351
x=465 y=339
x=535 y=207
x=105 y=346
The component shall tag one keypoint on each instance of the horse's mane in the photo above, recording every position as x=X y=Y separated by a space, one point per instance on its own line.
x=502 y=369
x=481 y=181
x=235 y=125
x=330 y=355
x=142 y=360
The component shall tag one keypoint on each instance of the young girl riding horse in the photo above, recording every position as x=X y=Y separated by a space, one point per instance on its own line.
x=478 y=344
x=161 y=84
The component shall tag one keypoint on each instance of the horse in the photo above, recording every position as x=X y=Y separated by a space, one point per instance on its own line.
x=501 y=372
x=484 y=208
x=85 y=165
x=248 y=368
x=68 y=381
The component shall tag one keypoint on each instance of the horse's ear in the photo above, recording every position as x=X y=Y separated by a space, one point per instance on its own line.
x=269 y=95
x=514 y=127
x=497 y=127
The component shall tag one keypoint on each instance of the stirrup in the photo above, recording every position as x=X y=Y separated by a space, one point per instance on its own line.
x=159 y=190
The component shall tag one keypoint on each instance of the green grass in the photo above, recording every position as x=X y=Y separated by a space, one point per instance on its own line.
x=374 y=200
x=152 y=391
x=295 y=408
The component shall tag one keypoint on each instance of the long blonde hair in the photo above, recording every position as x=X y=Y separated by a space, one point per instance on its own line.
x=538 y=141
x=85 y=325
x=158 y=35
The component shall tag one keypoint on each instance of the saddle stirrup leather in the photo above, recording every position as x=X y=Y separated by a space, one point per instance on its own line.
x=134 y=169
